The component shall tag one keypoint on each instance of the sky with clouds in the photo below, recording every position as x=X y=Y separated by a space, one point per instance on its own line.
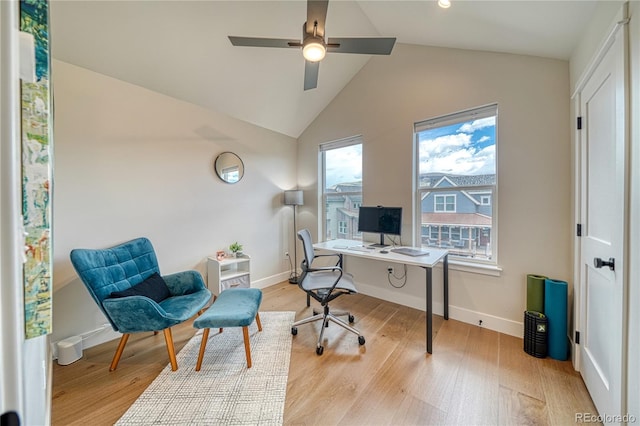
x=343 y=165
x=464 y=149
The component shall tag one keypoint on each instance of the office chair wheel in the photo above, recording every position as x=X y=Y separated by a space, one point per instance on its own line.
x=361 y=340
x=320 y=350
x=294 y=330
x=351 y=319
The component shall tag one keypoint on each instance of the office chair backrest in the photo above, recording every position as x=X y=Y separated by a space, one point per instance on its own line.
x=307 y=246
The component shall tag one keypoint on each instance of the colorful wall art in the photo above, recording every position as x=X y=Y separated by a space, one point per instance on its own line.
x=36 y=173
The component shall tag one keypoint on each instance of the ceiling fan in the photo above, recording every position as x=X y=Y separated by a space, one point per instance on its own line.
x=314 y=46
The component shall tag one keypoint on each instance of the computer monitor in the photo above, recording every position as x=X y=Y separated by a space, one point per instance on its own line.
x=380 y=220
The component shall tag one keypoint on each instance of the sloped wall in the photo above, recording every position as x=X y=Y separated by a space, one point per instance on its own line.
x=130 y=162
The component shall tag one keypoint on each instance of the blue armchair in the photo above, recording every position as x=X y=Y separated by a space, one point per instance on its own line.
x=120 y=268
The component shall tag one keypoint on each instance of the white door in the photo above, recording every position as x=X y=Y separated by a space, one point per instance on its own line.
x=603 y=169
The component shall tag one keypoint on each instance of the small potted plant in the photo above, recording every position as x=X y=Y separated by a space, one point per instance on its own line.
x=236 y=249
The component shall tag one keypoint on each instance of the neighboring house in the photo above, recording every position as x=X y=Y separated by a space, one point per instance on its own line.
x=343 y=203
x=457 y=219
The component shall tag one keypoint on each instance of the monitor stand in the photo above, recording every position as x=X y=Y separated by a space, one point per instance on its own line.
x=381 y=244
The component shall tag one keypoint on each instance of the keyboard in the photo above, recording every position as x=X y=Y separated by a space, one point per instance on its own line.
x=360 y=248
x=409 y=251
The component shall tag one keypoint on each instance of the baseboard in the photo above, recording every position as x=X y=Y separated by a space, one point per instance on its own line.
x=269 y=281
x=492 y=322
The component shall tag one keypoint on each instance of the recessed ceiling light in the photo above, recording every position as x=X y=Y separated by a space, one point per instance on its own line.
x=445 y=4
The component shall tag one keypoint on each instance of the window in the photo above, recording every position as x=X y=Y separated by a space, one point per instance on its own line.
x=341 y=188
x=342 y=227
x=456 y=183
x=445 y=203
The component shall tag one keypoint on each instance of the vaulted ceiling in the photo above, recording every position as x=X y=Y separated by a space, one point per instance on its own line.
x=180 y=48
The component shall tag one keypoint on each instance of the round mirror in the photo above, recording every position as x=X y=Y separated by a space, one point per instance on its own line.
x=229 y=167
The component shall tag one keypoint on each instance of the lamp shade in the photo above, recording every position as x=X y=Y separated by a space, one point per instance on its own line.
x=293 y=197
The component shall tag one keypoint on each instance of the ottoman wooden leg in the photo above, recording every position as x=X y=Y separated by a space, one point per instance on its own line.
x=258 y=322
x=203 y=346
x=247 y=348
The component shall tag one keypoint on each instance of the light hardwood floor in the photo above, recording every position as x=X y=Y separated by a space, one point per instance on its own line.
x=475 y=376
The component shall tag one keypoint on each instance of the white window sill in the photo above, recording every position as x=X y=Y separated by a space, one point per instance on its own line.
x=474 y=268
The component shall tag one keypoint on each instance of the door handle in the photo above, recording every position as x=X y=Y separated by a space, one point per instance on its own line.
x=599 y=263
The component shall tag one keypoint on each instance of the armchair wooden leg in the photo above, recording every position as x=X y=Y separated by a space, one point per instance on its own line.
x=172 y=352
x=118 y=354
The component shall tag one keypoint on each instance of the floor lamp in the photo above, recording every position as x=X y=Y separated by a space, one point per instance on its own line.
x=294 y=198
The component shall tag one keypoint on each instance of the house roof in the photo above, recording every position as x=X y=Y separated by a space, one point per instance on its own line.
x=346 y=187
x=434 y=179
x=456 y=219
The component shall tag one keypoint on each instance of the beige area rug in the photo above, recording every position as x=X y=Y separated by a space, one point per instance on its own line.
x=224 y=391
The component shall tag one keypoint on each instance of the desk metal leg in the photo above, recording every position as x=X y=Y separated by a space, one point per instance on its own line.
x=445 y=285
x=429 y=311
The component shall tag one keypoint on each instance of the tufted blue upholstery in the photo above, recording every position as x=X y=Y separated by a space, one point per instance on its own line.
x=117 y=268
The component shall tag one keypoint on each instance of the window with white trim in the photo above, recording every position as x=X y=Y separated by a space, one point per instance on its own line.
x=341 y=180
x=456 y=183
x=445 y=203
x=342 y=227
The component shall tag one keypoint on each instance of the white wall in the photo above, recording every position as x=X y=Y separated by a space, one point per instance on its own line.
x=415 y=83
x=130 y=162
x=592 y=38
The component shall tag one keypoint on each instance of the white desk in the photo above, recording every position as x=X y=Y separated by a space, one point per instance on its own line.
x=427 y=262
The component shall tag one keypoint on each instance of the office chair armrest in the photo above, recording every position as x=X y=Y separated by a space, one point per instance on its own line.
x=338 y=255
x=328 y=294
x=326 y=268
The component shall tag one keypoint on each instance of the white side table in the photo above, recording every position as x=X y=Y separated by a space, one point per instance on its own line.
x=228 y=273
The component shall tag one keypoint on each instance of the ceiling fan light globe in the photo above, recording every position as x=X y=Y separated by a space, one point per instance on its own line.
x=314 y=51
x=445 y=4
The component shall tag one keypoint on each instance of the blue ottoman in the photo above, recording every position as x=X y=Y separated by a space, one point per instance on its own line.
x=234 y=307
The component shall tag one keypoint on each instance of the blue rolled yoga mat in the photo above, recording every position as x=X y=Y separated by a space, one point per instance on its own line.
x=555 y=309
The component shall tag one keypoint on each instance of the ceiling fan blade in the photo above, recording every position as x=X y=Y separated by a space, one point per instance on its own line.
x=365 y=46
x=311 y=74
x=316 y=12
x=263 y=42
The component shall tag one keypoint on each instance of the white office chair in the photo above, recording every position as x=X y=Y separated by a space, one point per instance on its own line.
x=324 y=284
